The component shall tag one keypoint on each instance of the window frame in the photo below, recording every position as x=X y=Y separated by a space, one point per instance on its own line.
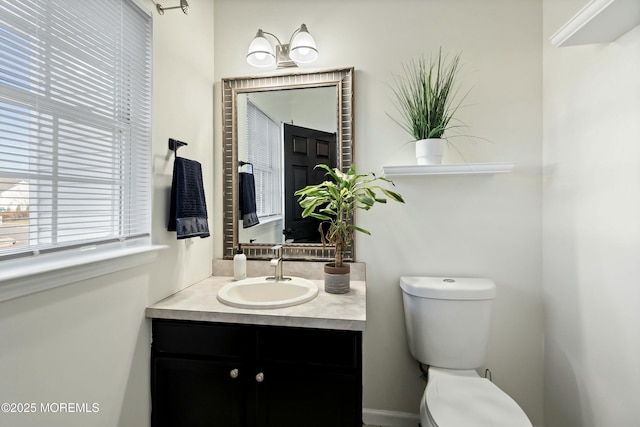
x=31 y=271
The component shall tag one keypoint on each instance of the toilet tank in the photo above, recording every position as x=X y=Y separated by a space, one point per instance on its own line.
x=448 y=319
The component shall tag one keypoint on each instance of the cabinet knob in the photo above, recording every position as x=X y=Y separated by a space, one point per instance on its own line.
x=260 y=377
x=233 y=373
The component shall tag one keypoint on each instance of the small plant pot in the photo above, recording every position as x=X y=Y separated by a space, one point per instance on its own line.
x=430 y=151
x=336 y=279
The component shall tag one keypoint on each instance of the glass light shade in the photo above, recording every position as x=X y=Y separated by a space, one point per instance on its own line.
x=260 y=52
x=303 y=47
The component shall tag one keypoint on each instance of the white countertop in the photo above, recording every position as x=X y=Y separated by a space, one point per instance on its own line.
x=198 y=302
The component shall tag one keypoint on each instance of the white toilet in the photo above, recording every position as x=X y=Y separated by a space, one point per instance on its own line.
x=448 y=322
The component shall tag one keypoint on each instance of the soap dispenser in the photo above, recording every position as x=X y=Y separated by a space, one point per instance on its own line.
x=239 y=264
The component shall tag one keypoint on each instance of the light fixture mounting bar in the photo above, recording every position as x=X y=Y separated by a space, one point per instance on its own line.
x=184 y=5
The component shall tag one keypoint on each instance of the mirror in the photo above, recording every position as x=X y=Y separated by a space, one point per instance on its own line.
x=270 y=123
x=282 y=135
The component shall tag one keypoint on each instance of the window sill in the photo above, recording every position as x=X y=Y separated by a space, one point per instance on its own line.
x=28 y=276
x=268 y=219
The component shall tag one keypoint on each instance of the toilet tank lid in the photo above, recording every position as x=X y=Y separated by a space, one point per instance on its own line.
x=451 y=288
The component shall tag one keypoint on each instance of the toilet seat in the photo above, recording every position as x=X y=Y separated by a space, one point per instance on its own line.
x=462 y=398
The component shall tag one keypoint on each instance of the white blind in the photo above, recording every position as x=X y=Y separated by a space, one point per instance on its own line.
x=75 y=124
x=264 y=151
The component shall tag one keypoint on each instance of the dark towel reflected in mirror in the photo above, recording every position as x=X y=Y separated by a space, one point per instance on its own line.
x=247 y=199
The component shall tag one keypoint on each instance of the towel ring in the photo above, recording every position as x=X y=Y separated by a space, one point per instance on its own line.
x=174 y=144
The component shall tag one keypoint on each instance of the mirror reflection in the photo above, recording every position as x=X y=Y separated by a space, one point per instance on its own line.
x=275 y=129
x=282 y=135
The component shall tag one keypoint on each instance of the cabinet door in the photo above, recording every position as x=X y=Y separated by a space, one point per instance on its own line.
x=312 y=378
x=197 y=393
x=311 y=398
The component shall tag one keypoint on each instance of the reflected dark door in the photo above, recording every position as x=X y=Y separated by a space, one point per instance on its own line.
x=303 y=149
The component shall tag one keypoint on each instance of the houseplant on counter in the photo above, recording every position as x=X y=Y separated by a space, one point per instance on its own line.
x=425 y=98
x=334 y=203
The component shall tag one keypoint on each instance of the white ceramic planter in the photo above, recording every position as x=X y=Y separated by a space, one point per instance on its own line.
x=430 y=151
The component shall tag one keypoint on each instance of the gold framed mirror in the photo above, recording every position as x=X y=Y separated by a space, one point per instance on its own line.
x=327 y=94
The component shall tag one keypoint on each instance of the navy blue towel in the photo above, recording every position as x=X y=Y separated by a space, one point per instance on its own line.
x=247 y=196
x=188 y=210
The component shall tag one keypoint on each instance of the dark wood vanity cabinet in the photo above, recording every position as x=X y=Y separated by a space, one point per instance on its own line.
x=228 y=375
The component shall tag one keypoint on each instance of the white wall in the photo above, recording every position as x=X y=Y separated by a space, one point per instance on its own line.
x=591 y=228
x=487 y=226
x=89 y=341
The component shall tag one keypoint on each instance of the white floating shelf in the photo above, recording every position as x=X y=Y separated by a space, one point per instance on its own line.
x=600 y=21
x=450 y=169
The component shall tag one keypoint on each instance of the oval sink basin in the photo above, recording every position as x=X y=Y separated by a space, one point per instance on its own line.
x=259 y=292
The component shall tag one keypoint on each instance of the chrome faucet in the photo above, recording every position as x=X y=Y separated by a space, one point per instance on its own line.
x=277 y=263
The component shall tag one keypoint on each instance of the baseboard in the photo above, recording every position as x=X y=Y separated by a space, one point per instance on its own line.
x=378 y=417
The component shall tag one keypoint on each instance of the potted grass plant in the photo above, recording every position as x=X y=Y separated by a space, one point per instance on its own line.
x=425 y=99
x=334 y=202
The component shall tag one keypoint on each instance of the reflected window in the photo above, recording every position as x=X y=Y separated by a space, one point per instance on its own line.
x=264 y=152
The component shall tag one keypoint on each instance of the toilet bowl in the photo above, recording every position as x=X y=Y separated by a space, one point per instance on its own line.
x=461 y=398
x=448 y=321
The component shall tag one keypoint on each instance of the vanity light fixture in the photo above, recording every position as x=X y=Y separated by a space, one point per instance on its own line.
x=183 y=5
x=301 y=49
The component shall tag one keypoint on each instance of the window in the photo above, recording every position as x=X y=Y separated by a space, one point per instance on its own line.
x=264 y=152
x=75 y=126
